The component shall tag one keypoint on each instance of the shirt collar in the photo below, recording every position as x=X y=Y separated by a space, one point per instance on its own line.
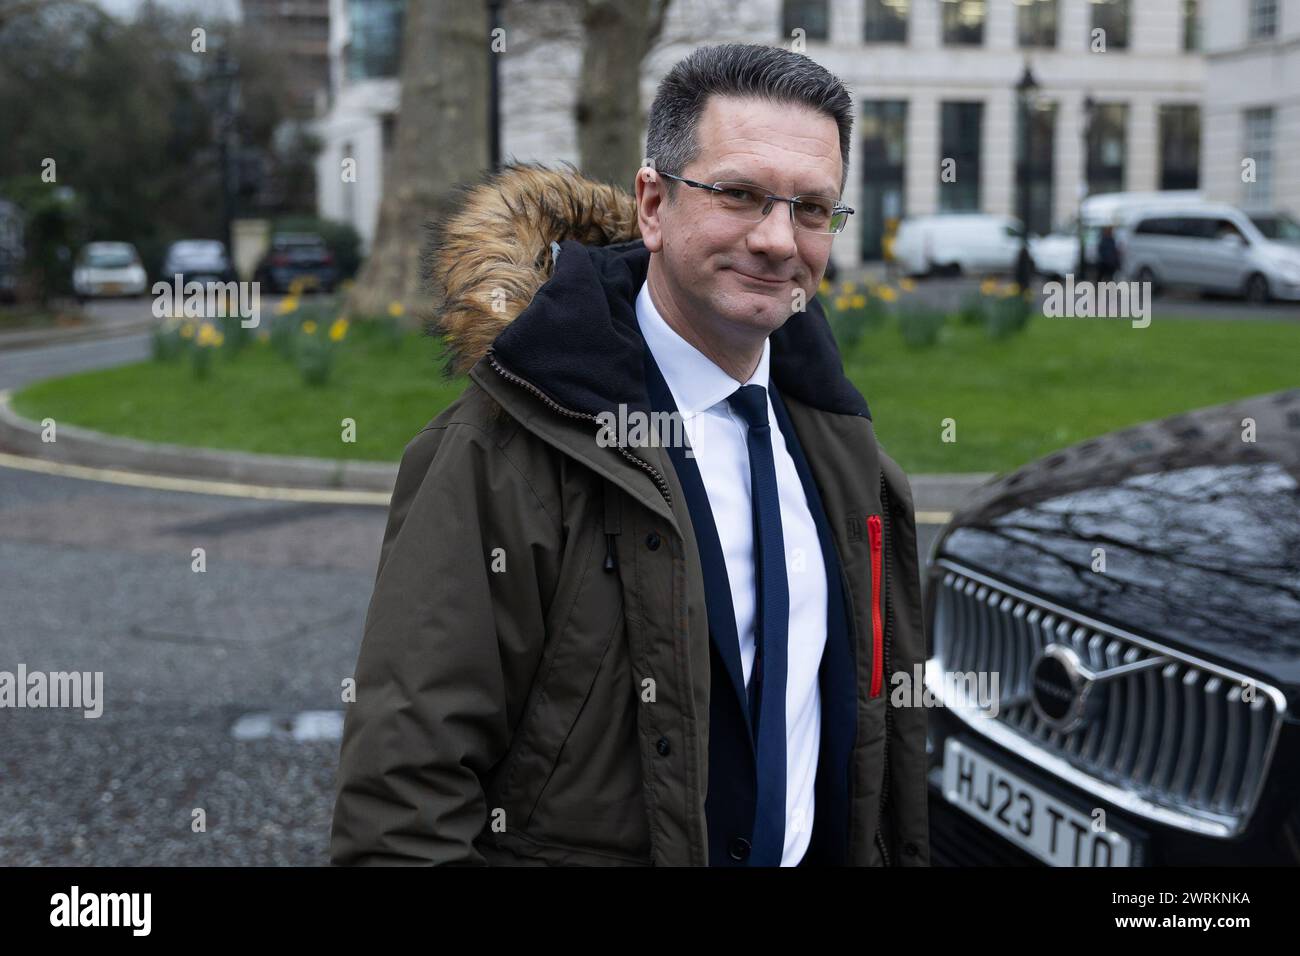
x=696 y=382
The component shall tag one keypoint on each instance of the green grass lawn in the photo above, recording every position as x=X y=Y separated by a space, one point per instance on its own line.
x=257 y=401
x=1060 y=381
x=1057 y=383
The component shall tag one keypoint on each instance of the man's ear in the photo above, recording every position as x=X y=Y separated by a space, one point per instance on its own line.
x=650 y=197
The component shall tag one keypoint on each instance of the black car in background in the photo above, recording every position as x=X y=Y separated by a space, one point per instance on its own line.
x=300 y=256
x=1138 y=596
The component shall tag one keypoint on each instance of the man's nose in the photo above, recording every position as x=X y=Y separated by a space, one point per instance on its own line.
x=774 y=235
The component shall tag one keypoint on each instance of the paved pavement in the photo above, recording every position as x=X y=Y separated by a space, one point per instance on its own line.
x=99 y=578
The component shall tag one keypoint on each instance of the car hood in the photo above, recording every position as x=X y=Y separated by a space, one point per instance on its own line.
x=1200 y=531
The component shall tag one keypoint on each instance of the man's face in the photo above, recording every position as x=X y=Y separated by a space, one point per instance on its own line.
x=725 y=270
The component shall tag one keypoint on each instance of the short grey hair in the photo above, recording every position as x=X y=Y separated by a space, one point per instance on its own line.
x=741 y=70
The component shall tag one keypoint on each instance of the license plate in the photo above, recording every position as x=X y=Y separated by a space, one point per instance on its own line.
x=111 y=287
x=1051 y=830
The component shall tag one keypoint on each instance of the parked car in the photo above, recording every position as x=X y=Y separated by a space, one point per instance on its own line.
x=1277 y=227
x=108 y=269
x=1212 y=247
x=1057 y=254
x=197 y=260
x=972 y=243
x=1138 y=595
x=297 y=256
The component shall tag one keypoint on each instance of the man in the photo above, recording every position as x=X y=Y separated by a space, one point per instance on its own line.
x=1107 y=255
x=588 y=646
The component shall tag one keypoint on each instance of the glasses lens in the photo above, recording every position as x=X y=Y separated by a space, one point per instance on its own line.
x=815 y=214
x=740 y=200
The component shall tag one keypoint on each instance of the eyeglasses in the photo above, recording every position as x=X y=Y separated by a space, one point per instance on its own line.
x=750 y=203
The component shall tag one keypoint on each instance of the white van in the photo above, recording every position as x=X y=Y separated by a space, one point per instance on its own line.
x=1211 y=247
x=1057 y=254
x=971 y=242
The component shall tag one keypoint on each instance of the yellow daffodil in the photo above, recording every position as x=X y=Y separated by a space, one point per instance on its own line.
x=907 y=285
x=824 y=287
x=988 y=287
x=288 y=304
x=848 y=287
x=338 y=329
x=887 y=293
x=1011 y=290
x=859 y=301
x=208 y=335
x=187 y=330
x=309 y=327
x=395 y=309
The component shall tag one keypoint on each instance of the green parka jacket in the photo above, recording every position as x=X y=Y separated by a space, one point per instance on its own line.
x=533 y=681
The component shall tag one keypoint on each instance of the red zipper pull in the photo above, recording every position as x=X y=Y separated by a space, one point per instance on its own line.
x=874 y=536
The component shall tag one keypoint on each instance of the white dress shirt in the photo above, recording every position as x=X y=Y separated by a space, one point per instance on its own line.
x=718 y=437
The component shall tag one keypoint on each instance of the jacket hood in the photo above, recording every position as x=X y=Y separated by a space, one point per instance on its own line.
x=540 y=269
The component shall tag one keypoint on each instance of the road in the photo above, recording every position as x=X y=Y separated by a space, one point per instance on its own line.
x=221 y=688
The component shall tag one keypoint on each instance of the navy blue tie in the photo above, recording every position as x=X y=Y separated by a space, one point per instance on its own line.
x=771 y=628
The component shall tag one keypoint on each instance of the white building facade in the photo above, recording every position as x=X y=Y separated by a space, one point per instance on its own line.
x=1251 y=139
x=932 y=80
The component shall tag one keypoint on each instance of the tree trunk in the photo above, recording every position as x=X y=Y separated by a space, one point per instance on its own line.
x=617 y=34
x=440 y=142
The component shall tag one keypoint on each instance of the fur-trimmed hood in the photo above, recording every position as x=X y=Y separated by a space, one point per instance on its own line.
x=540 y=269
x=490 y=256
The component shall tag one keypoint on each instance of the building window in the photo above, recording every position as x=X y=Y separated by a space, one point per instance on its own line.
x=1180 y=146
x=884 y=155
x=1035 y=162
x=1191 y=26
x=1258 y=142
x=376 y=44
x=813 y=17
x=1107 y=148
x=1112 y=16
x=961 y=124
x=1263 y=19
x=885 y=21
x=963 y=22
x=1037 y=22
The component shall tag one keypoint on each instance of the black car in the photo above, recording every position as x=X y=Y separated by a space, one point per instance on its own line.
x=1138 y=598
x=297 y=256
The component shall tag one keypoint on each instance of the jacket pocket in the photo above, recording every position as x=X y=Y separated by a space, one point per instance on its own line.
x=875 y=535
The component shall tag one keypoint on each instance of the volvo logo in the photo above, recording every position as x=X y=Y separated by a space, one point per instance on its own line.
x=1066 y=693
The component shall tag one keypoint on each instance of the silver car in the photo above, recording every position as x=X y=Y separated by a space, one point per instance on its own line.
x=1212 y=247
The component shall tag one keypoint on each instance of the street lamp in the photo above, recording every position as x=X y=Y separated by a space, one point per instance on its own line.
x=1089 y=109
x=223 y=80
x=1026 y=97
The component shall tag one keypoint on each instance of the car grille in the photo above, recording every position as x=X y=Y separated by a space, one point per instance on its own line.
x=1175 y=741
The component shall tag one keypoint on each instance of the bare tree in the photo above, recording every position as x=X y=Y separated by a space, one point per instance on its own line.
x=617 y=35
x=440 y=142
